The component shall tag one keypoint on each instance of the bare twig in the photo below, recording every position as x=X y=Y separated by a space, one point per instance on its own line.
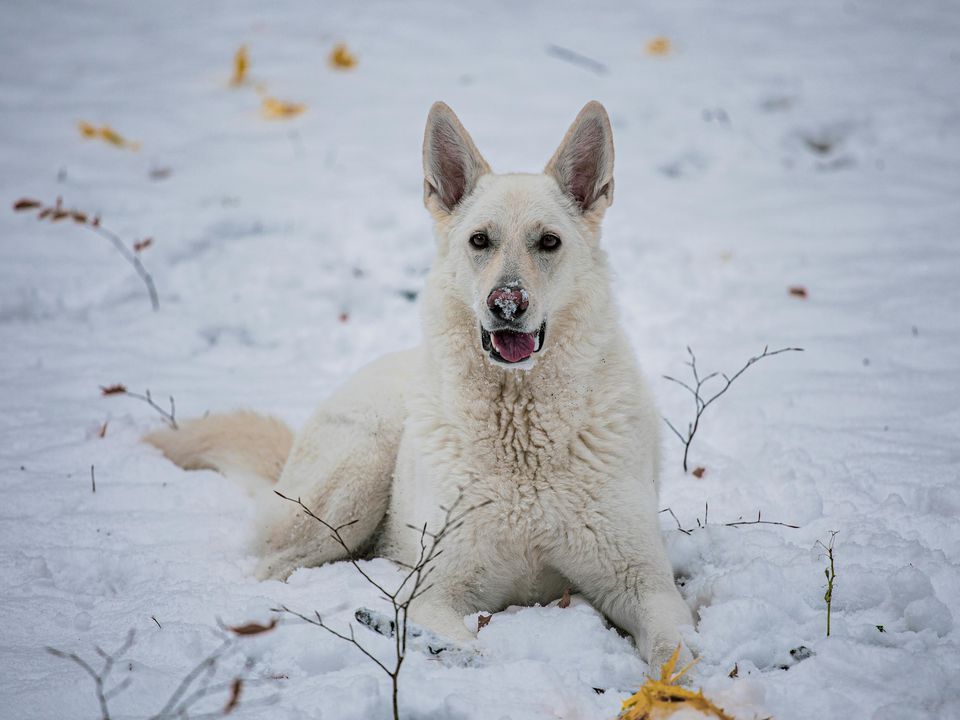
x=169 y=416
x=101 y=677
x=195 y=686
x=677 y=520
x=736 y=523
x=57 y=212
x=413 y=585
x=700 y=403
x=830 y=573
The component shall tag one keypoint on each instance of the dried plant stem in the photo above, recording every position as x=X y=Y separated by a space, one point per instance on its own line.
x=57 y=212
x=132 y=258
x=101 y=677
x=195 y=686
x=702 y=404
x=412 y=586
x=734 y=524
x=169 y=417
x=830 y=573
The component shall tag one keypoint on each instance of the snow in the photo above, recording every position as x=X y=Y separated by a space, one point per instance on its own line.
x=777 y=144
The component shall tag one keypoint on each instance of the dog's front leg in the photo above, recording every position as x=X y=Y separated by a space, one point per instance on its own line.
x=619 y=563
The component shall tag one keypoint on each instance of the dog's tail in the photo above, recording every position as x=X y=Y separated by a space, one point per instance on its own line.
x=238 y=444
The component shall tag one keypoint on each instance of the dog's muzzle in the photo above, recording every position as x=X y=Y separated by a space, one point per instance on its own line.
x=511 y=347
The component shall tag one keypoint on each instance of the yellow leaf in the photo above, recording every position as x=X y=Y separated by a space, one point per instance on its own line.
x=107 y=134
x=659 y=46
x=341 y=58
x=658 y=699
x=241 y=63
x=274 y=109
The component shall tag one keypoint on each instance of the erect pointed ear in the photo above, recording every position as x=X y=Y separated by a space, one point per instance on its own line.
x=583 y=164
x=451 y=162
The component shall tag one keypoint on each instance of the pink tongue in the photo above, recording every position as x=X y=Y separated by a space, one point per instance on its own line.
x=512 y=346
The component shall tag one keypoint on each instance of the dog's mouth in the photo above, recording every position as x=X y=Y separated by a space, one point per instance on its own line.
x=510 y=347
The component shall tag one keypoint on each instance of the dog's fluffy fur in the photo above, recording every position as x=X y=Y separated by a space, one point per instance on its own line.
x=559 y=452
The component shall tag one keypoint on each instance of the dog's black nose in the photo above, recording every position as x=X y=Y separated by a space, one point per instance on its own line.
x=508 y=303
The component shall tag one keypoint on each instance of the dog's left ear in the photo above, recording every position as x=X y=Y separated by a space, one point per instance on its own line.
x=583 y=164
x=451 y=162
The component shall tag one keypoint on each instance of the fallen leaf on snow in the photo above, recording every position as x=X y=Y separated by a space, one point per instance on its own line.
x=26 y=204
x=274 y=109
x=236 y=688
x=107 y=134
x=662 y=698
x=565 y=600
x=253 y=628
x=241 y=63
x=798 y=291
x=341 y=58
x=117 y=389
x=658 y=46
x=483 y=621
x=698 y=472
x=142 y=245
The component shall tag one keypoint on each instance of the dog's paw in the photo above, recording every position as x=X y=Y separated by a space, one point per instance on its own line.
x=421 y=639
x=662 y=653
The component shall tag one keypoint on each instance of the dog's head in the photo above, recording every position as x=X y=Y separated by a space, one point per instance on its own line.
x=517 y=245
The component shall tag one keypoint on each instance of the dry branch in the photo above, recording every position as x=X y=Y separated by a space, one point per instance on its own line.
x=702 y=404
x=198 y=684
x=57 y=212
x=169 y=416
x=413 y=585
x=734 y=524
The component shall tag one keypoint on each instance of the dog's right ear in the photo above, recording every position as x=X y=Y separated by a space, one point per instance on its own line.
x=451 y=162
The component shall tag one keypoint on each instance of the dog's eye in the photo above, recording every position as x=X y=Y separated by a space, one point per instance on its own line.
x=549 y=242
x=479 y=240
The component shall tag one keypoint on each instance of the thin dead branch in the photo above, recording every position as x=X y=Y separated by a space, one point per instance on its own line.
x=57 y=212
x=197 y=685
x=734 y=524
x=413 y=585
x=700 y=402
x=169 y=416
x=101 y=677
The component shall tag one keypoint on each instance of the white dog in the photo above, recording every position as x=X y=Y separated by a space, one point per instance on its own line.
x=524 y=399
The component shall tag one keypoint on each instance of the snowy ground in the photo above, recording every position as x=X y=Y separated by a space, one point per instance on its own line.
x=811 y=144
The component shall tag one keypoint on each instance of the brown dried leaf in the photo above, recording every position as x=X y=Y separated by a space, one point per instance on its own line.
x=236 y=687
x=698 y=472
x=78 y=216
x=45 y=213
x=59 y=215
x=798 y=291
x=26 y=204
x=117 y=389
x=142 y=245
x=565 y=600
x=103 y=429
x=253 y=628
x=735 y=672
x=483 y=621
